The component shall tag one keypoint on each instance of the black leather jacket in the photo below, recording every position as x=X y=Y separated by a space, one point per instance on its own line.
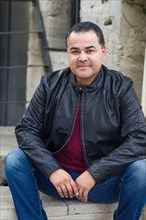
x=113 y=128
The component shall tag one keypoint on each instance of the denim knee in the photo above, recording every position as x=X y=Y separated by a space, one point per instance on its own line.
x=137 y=172
x=12 y=161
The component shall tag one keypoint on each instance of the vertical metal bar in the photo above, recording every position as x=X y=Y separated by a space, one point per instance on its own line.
x=143 y=99
x=8 y=61
x=74 y=12
x=42 y=36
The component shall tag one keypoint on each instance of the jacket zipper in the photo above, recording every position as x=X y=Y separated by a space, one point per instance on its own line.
x=80 y=101
x=71 y=130
x=82 y=129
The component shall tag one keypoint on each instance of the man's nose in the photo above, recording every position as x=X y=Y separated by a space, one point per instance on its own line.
x=83 y=57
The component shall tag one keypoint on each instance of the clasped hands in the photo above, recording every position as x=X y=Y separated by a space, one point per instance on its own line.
x=68 y=188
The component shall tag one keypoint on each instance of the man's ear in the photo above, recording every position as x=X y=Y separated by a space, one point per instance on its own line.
x=104 y=52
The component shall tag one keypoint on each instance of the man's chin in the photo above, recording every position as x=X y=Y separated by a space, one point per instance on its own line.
x=83 y=69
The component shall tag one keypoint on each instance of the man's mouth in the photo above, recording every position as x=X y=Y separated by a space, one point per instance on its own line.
x=83 y=66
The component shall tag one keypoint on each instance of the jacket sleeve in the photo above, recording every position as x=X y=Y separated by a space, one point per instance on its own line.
x=30 y=136
x=133 y=133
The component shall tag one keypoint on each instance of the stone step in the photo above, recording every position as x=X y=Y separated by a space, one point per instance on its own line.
x=58 y=210
x=7 y=140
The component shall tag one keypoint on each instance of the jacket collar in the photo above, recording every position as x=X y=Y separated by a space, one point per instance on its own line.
x=95 y=85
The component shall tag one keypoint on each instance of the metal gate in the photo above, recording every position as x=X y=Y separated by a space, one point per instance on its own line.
x=14 y=32
x=13 y=53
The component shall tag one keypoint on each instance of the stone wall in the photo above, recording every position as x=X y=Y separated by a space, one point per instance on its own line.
x=123 y=27
x=133 y=40
x=55 y=16
x=143 y=98
x=34 y=58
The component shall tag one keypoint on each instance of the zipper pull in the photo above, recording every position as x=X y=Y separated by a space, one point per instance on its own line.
x=80 y=88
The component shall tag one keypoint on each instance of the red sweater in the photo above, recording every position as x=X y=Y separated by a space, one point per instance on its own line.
x=71 y=156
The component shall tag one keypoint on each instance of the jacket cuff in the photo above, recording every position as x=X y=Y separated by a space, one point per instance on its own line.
x=96 y=173
x=48 y=171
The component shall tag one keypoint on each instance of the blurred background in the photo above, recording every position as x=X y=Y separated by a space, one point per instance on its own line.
x=32 y=43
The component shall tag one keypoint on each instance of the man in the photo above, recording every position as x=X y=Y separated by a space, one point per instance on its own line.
x=82 y=137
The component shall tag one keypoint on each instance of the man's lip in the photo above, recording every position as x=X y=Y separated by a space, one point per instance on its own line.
x=83 y=66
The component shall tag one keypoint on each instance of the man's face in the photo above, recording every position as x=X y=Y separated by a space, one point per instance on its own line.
x=85 y=56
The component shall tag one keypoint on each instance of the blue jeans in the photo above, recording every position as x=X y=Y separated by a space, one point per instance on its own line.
x=128 y=189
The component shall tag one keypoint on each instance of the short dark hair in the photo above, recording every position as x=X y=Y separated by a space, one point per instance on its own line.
x=87 y=26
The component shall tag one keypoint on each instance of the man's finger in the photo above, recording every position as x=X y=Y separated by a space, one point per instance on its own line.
x=60 y=191
x=75 y=188
x=64 y=191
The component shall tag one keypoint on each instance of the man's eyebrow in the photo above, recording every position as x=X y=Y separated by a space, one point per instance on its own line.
x=77 y=48
x=89 y=47
x=74 y=48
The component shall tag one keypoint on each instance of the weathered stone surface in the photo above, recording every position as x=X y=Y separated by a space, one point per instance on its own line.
x=7 y=143
x=3 y=181
x=143 y=100
x=57 y=22
x=60 y=210
x=133 y=37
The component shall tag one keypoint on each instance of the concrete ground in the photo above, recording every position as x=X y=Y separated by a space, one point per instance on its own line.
x=56 y=210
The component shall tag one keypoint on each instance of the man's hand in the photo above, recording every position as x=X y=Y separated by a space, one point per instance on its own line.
x=64 y=184
x=84 y=183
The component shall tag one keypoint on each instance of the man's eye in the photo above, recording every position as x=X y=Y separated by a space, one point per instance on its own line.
x=75 y=52
x=90 y=51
